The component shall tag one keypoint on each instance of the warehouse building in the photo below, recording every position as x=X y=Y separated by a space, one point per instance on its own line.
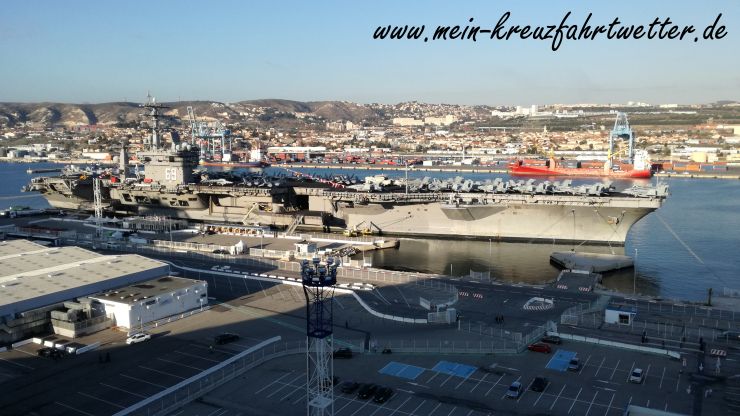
x=35 y=279
x=137 y=305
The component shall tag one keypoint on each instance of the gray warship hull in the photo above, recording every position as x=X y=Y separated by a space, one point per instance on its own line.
x=542 y=218
x=498 y=217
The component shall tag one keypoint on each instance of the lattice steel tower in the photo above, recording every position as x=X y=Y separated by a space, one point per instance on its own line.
x=318 y=287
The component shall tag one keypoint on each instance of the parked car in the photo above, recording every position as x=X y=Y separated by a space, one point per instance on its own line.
x=136 y=338
x=343 y=353
x=349 y=387
x=225 y=338
x=514 y=391
x=540 y=347
x=55 y=353
x=44 y=352
x=366 y=391
x=552 y=339
x=574 y=364
x=383 y=394
x=637 y=376
x=538 y=384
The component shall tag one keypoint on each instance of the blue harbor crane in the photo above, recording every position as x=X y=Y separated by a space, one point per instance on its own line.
x=212 y=138
x=622 y=131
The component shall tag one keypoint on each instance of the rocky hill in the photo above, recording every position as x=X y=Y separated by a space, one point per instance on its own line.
x=61 y=114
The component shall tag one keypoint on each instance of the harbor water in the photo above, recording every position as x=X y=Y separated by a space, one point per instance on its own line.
x=689 y=245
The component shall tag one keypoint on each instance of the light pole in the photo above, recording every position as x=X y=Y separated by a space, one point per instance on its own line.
x=489 y=257
x=634 y=275
x=406 y=170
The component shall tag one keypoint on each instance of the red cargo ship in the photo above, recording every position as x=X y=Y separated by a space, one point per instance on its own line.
x=554 y=167
x=638 y=166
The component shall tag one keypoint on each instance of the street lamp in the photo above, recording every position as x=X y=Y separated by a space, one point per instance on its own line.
x=407 y=177
x=634 y=274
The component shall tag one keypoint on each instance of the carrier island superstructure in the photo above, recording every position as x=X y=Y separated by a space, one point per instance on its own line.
x=499 y=210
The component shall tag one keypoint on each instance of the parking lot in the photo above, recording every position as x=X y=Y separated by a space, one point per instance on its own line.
x=423 y=384
x=443 y=386
x=89 y=384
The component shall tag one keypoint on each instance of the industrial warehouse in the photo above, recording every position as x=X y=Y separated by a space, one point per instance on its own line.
x=42 y=285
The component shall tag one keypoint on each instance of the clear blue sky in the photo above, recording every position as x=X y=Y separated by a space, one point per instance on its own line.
x=97 y=51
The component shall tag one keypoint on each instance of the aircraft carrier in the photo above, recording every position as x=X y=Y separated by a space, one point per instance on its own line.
x=171 y=185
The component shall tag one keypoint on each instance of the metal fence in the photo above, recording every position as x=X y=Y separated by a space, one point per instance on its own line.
x=509 y=339
x=586 y=314
x=482 y=276
x=419 y=346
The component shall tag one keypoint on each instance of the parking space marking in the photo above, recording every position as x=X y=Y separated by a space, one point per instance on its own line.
x=432 y=377
x=284 y=385
x=451 y=411
x=644 y=381
x=542 y=393
x=437 y=407
x=592 y=403
x=661 y=379
x=161 y=372
x=462 y=381
x=494 y=384
x=72 y=408
x=349 y=401
x=599 y=369
x=630 y=372
x=197 y=356
x=446 y=380
x=417 y=407
x=557 y=397
x=575 y=400
x=615 y=369
x=479 y=381
x=525 y=390
x=301 y=395
x=276 y=380
x=299 y=390
x=396 y=409
x=143 y=381
x=181 y=364
x=101 y=400
x=584 y=365
x=608 y=408
x=404 y=297
x=125 y=391
x=361 y=407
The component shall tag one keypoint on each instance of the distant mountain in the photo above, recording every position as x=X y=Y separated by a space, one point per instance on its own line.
x=61 y=114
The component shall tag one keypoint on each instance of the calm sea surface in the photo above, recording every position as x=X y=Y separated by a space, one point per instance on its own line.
x=690 y=244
